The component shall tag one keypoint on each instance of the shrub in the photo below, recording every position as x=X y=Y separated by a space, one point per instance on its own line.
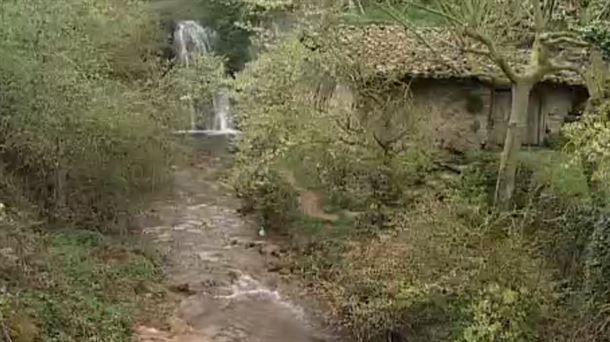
x=501 y=314
x=86 y=111
x=294 y=119
x=275 y=200
x=73 y=285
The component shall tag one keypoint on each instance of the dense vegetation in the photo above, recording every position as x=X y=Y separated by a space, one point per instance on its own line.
x=406 y=250
x=402 y=238
x=86 y=108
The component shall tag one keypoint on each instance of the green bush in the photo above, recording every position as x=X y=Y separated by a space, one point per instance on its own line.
x=501 y=314
x=86 y=111
x=441 y=264
x=275 y=201
x=430 y=279
x=73 y=285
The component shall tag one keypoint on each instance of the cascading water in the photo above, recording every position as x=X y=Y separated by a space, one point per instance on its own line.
x=192 y=40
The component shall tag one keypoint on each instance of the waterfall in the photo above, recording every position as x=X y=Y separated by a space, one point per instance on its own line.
x=192 y=40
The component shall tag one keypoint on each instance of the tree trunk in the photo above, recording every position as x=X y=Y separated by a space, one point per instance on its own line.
x=517 y=123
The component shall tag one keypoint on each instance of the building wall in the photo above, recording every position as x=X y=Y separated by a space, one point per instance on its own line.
x=556 y=104
x=549 y=105
x=459 y=111
x=467 y=115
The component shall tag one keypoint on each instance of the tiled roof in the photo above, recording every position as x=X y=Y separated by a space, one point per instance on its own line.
x=393 y=49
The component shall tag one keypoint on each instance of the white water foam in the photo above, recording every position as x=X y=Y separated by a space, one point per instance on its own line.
x=247 y=287
x=192 y=40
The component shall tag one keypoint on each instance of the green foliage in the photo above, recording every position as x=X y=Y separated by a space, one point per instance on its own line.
x=275 y=200
x=428 y=279
x=597 y=268
x=86 y=109
x=441 y=264
x=293 y=115
x=501 y=314
x=73 y=285
x=274 y=121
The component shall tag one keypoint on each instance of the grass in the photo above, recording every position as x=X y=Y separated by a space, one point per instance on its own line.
x=75 y=285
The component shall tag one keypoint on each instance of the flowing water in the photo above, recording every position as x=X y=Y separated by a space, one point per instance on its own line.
x=191 y=40
x=226 y=274
x=227 y=277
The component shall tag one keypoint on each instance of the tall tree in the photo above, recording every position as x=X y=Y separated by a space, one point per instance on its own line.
x=494 y=29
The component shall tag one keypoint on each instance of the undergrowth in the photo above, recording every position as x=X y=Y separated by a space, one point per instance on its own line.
x=426 y=257
x=74 y=285
x=87 y=106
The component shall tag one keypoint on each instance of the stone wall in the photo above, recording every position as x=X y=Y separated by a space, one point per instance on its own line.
x=468 y=115
x=459 y=111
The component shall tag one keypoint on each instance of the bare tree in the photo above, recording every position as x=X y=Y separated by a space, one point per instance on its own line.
x=494 y=29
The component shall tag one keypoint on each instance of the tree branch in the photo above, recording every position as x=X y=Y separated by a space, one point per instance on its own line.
x=555 y=66
x=563 y=37
x=493 y=53
x=383 y=146
x=539 y=21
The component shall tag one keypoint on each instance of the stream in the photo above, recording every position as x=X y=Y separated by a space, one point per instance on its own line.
x=221 y=267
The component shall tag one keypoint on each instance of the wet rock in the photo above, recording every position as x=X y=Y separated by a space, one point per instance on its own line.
x=269 y=250
x=274 y=268
x=252 y=244
x=182 y=288
x=209 y=256
x=164 y=237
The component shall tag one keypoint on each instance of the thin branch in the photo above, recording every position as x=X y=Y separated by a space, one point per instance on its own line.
x=494 y=54
x=5 y=330
x=360 y=7
x=383 y=146
x=557 y=34
x=539 y=22
x=562 y=37
x=448 y=167
x=565 y=41
x=479 y=52
x=603 y=11
x=555 y=66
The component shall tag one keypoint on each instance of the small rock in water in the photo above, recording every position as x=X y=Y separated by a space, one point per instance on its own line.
x=269 y=250
x=184 y=288
x=274 y=267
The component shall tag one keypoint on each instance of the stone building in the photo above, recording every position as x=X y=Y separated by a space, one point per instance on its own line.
x=465 y=93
